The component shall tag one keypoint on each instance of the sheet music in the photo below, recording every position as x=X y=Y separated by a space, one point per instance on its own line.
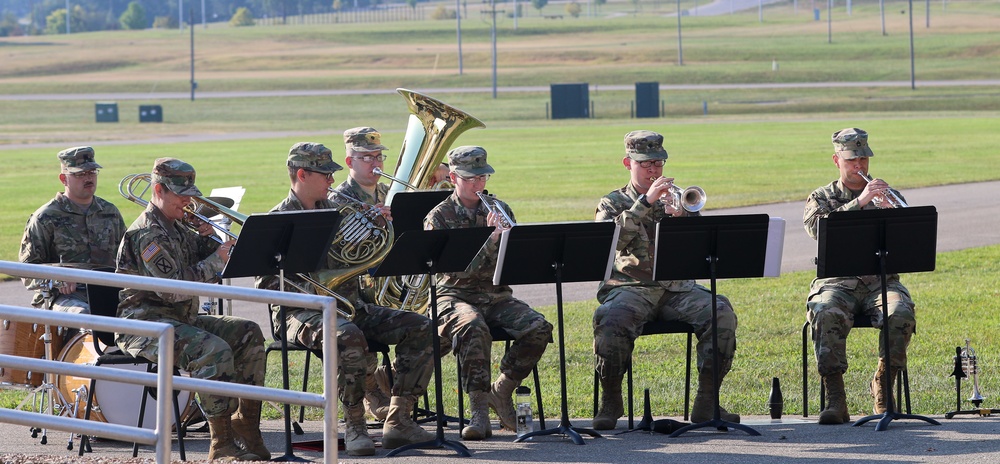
x=775 y=245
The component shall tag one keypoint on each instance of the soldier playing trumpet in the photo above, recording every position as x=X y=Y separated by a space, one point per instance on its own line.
x=631 y=297
x=833 y=303
x=469 y=303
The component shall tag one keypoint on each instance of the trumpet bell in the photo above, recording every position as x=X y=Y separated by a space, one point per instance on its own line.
x=693 y=199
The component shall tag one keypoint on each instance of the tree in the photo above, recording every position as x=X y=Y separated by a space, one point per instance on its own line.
x=134 y=17
x=242 y=17
x=539 y=4
x=412 y=3
x=573 y=9
x=55 y=22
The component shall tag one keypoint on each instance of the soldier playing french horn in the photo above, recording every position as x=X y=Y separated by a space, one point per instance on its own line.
x=311 y=170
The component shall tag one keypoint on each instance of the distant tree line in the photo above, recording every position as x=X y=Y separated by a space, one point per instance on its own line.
x=36 y=17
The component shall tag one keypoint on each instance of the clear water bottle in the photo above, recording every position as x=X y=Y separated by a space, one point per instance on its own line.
x=523 y=407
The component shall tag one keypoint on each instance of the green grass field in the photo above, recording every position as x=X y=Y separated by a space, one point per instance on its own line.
x=754 y=146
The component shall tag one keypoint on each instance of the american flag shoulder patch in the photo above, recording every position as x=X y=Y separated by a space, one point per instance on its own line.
x=150 y=252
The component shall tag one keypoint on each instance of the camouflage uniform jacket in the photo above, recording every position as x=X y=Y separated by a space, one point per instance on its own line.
x=155 y=246
x=636 y=242
x=474 y=286
x=823 y=201
x=59 y=232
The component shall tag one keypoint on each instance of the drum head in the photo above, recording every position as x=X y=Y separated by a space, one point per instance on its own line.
x=115 y=402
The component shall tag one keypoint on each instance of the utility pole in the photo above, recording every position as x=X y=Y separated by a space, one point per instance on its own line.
x=69 y=14
x=829 y=21
x=913 y=78
x=881 y=12
x=493 y=39
x=194 y=84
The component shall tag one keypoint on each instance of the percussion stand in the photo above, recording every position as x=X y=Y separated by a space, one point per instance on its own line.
x=859 y=243
x=269 y=244
x=430 y=252
x=49 y=393
x=700 y=247
x=557 y=253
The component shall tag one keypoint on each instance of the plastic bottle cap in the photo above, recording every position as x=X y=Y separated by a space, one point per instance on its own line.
x=522 y=390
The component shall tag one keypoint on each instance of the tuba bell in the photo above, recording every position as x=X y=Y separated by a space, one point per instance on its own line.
x=432 y=128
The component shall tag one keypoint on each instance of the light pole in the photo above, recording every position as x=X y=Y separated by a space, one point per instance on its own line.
x=680 y=49
x=829 y=21
x=194 y=84
x=493 y=39
x=881 y=12
x=913 y=78
x=458 y=29
x=68 y=16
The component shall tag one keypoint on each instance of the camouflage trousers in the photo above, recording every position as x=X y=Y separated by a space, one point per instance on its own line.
x=74 y=303
x=229 y=349
x=619 y=320
x=831 y=310
x=466 y=329
x=408 y=331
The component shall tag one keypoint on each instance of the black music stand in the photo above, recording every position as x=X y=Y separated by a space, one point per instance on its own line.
x=293 y=241
x=558 y=252
x=410 y=207
x=857 y=243
x=430 y=252
x=711 y=247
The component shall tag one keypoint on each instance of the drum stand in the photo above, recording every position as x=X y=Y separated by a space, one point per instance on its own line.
x=49 y=393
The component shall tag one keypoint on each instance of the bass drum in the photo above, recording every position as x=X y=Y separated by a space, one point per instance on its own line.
x=25 y=339
x=114 y=402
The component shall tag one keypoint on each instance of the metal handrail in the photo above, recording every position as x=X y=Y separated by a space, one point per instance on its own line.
x=164 y=380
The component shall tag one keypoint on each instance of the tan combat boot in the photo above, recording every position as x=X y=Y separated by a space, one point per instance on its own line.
x=836 y=408
x=246 y=428
x=877 y=387
x=611 y=404
x=356 y=439
x=703 y=409
x=502 y=403
x=399 y=428
x=479 y=423
x=222 y=445
x=376 y=397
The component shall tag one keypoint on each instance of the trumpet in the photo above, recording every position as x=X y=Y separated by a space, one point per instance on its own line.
x=491 y=205
x=894 y=200
x=971 y=369
x=692 y=199
x=142 y=182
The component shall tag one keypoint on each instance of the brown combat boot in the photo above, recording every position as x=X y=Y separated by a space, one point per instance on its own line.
x=246 y=428
x=703 y=409
x=501 y=401
x=399 y=428
x=356 y=439
x=222 y=445
x=877 y=387
x=376 y=396
x=479 y=423
x=611 y=404
x=836 y=408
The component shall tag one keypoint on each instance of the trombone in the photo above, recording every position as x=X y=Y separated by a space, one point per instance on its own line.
x=133 y=182
x=890 y=196
x=491 y=205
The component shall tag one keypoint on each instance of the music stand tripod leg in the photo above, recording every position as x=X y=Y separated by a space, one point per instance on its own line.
x=716 y=420
x=564 y=428
x=289 y=455
x=890 y=413
x=439 y=440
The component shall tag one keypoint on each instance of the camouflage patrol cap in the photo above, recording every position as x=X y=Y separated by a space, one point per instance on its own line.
x=78 y=159
x=644 y=145
x=177 y=175
x=363 y=140
x=469 y=161
x=312 y=157
x=851 y=143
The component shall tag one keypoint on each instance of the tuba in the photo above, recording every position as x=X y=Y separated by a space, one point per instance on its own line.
x=432 y=128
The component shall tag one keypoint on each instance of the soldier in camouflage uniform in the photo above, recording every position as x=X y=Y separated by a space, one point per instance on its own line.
x=311 y=169
x=833 y=303
x=75 y=227
x=631 y=297
x=469 y=303
x=223 y=348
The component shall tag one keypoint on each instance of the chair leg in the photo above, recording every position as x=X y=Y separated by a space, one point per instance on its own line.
x=461 y=395
x=305 y=385
x=597 y=390
x=805 y=369
x=628 y=370
x=84 y=438
x=687 y=379
x=538 y=398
